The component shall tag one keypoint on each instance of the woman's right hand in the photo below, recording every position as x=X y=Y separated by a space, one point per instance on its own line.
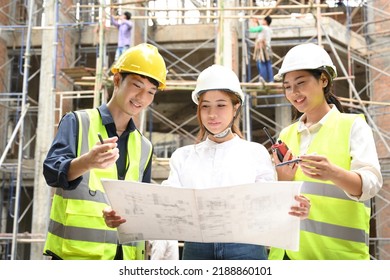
x=285 y=172
x=111 y=219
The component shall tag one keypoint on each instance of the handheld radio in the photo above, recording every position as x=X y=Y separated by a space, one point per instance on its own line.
x=280 y=147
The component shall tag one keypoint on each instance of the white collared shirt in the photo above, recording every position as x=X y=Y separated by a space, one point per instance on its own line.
x=210 y=164
x=164 y=249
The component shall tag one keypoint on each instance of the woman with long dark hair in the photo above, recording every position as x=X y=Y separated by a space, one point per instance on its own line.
x=337 y=152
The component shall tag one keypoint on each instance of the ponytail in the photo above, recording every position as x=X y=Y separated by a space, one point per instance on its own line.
x=328 y=90
x=332 y=99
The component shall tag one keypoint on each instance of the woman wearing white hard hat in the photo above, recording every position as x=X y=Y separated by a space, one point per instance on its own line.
x=337 y=150
x=222 y=158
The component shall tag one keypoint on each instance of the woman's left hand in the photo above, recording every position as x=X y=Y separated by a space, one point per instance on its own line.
x=317 y=167
x=302 y=209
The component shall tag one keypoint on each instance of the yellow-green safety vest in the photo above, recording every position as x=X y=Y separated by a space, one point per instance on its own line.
x=77 y=229
x=337 y=227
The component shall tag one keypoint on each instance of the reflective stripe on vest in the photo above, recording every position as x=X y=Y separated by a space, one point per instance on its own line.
x=77 y=229
x=337 y=227
x=83 y=234
x=330 y=229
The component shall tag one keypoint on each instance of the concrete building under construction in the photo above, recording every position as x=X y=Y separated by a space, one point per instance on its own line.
x=55 y=57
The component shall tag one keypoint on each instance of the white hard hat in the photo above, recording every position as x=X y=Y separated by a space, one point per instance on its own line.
x=217 y=77
x=306 y=56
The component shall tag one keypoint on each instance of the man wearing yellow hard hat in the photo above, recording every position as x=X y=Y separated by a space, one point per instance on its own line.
x=78 y=159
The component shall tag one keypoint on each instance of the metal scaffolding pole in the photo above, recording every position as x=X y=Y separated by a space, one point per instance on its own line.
x=21 y=134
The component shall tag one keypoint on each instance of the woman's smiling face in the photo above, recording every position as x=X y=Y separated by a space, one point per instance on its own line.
x=303 y=90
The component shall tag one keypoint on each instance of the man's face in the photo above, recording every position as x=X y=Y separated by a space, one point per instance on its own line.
x=133 y=93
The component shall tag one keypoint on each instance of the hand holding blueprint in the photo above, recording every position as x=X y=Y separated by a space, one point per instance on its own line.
x=254 y=213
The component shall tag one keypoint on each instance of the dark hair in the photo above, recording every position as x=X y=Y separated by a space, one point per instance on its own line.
x=235 y=127
x=328 y=90
x=153 y=81
x=268 y=19
x=127 y=15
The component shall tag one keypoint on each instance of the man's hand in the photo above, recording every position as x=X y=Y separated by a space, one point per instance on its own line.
x=111 y=219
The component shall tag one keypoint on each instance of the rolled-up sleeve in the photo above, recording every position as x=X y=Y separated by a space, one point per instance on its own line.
x=61 y=153
x=365 y=160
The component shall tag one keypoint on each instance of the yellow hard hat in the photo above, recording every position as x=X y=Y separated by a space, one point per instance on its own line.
x=143 y=59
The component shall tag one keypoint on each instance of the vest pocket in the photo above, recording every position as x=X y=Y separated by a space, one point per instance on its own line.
x=85 y=231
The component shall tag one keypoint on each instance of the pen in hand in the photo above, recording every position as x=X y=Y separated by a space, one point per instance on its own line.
x=296 y=160
x=100 y=138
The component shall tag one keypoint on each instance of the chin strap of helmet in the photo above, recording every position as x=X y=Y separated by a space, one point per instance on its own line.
x=221 y=134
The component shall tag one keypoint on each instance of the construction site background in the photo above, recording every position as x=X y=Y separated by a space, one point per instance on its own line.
x=55 y=57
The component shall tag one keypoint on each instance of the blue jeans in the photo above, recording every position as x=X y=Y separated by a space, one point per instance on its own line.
x=223 y=251
x=119 y=51
x=265 y=70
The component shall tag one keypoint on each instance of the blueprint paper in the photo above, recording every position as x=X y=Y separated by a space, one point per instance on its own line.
x=254 y=213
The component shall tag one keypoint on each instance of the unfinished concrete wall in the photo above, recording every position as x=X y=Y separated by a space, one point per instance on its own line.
x=3 y=76
x=380 y=59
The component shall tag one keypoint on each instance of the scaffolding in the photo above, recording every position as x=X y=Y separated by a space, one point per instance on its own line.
x=79 y=80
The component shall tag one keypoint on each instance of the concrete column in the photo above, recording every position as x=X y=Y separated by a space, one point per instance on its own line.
x=227 y=37
x=282 y=113
x=45 y=129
